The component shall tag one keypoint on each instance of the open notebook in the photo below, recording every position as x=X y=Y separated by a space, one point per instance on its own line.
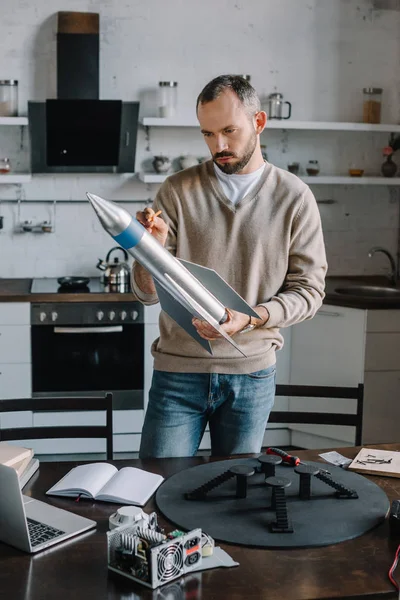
x=103 y=481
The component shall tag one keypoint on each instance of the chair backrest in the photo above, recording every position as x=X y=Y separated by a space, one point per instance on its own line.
x=321 y=418
x=61 y=404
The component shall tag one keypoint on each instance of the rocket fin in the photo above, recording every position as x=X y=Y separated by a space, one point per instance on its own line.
x=180 y=315
x=219 y=288
x=199 y=310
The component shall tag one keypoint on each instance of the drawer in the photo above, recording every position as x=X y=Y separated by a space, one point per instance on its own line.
x=15 y=381
x=15 y=313
x=124 y=421
x=382 y=352
x=122 y=443
x=16 y=419
x=15 y=344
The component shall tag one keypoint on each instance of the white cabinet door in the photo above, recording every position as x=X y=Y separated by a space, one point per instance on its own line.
x=15 y=313
x=15 y=344
x=15 y=381
x=328 y=350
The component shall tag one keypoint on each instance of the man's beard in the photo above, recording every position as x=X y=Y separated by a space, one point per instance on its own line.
x=235 y=167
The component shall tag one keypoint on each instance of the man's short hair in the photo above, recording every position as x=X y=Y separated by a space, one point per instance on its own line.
x=240 y=86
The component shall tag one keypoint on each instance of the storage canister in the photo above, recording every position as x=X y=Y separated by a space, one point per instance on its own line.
x=168 y=97
x=8 y=97
x=372 y=105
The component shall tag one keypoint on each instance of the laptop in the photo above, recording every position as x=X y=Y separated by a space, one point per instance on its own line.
x=31 y=525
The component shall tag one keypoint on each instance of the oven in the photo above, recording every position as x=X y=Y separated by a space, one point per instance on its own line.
x=87 y=348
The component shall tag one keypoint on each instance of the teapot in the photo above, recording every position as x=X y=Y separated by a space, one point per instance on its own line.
x=275 y=107
x=115 y=273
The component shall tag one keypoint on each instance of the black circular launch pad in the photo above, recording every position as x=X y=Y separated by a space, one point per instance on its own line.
x=320 y=521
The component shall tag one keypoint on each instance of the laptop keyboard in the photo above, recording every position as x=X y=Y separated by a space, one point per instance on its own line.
x=40 y=533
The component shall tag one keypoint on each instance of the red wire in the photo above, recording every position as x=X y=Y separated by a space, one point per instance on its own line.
x=393 y=567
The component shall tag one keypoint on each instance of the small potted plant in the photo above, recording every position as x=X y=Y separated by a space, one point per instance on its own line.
x=389 y=168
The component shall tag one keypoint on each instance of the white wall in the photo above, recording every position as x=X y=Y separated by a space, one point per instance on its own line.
x=318 y=53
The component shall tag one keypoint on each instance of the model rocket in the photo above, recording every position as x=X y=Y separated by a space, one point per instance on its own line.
x=185 y=289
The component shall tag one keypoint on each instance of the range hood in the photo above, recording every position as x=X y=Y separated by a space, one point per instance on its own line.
x=78 y=132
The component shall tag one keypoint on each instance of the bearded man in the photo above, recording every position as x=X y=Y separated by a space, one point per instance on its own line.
x=259 y=227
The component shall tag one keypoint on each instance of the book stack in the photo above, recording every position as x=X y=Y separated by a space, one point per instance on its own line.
x=21 y=459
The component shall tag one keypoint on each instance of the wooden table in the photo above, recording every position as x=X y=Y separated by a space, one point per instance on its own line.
x=77 y=569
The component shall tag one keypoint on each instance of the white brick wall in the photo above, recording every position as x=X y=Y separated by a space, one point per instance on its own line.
x=318 y=53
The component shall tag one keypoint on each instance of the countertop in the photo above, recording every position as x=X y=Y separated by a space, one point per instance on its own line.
x=18 y=290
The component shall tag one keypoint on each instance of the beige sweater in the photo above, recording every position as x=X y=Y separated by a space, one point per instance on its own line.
x=269 y=247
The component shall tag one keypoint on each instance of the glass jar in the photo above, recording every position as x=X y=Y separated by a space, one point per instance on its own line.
x=168 y=98
x=5 y=166
x=372 y=105
x=8 y=97
x=312 y=167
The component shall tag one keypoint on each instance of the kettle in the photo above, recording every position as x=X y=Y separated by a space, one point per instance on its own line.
x=116 y=273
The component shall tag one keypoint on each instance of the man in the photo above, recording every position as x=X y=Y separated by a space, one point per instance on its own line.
x=259 y=227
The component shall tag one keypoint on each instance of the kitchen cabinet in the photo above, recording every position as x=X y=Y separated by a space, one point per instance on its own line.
x=127 y=427
x=382 y=377
x=344 y=347
x=15 y=359
x=327 y=350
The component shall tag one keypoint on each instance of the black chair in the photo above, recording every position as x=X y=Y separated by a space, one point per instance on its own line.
x=67 y=431
x=320 y=418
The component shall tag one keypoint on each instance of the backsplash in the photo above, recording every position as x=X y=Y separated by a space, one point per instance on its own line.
x=344 y=46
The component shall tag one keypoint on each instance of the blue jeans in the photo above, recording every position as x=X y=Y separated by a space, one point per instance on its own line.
x=180 y=405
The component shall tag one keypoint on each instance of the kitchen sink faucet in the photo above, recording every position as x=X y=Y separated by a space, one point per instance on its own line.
x=393 y=274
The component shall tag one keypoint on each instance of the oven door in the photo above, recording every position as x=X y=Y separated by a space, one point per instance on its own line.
x=88 y=359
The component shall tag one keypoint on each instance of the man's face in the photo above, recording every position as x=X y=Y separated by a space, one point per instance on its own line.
x=229 y=132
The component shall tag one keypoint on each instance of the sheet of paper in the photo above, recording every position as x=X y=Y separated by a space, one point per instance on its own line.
x=336 y=459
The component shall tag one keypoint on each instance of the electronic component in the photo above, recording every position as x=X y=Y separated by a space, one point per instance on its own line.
x=143 y=552
x=128 y=515
x=207 y=545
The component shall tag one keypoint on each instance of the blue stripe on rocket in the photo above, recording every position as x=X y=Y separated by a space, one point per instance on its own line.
x=131 y=236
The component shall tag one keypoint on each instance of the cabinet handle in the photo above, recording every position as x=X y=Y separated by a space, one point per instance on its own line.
x=326 y=313
x=127 y=138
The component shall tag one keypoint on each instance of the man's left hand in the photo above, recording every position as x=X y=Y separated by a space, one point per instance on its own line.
x=236 y=322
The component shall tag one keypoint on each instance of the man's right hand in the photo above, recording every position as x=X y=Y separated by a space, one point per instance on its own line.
x=156 y=226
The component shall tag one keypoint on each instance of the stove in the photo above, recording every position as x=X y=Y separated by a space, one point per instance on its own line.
x=88 y=346
x=50 y=285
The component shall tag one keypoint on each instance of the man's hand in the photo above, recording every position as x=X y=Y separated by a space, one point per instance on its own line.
x=236 y=322
x=158 y=228
x=154 y=224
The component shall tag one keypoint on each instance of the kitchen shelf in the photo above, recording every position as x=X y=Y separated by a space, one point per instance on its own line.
x=284 y=124
x=343 y=180
x=152 y=177
x=316 y=180
x=14 y=121
x=15 y=178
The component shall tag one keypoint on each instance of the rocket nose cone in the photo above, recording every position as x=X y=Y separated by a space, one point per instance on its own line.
x=94 y=200
x=114 y=218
